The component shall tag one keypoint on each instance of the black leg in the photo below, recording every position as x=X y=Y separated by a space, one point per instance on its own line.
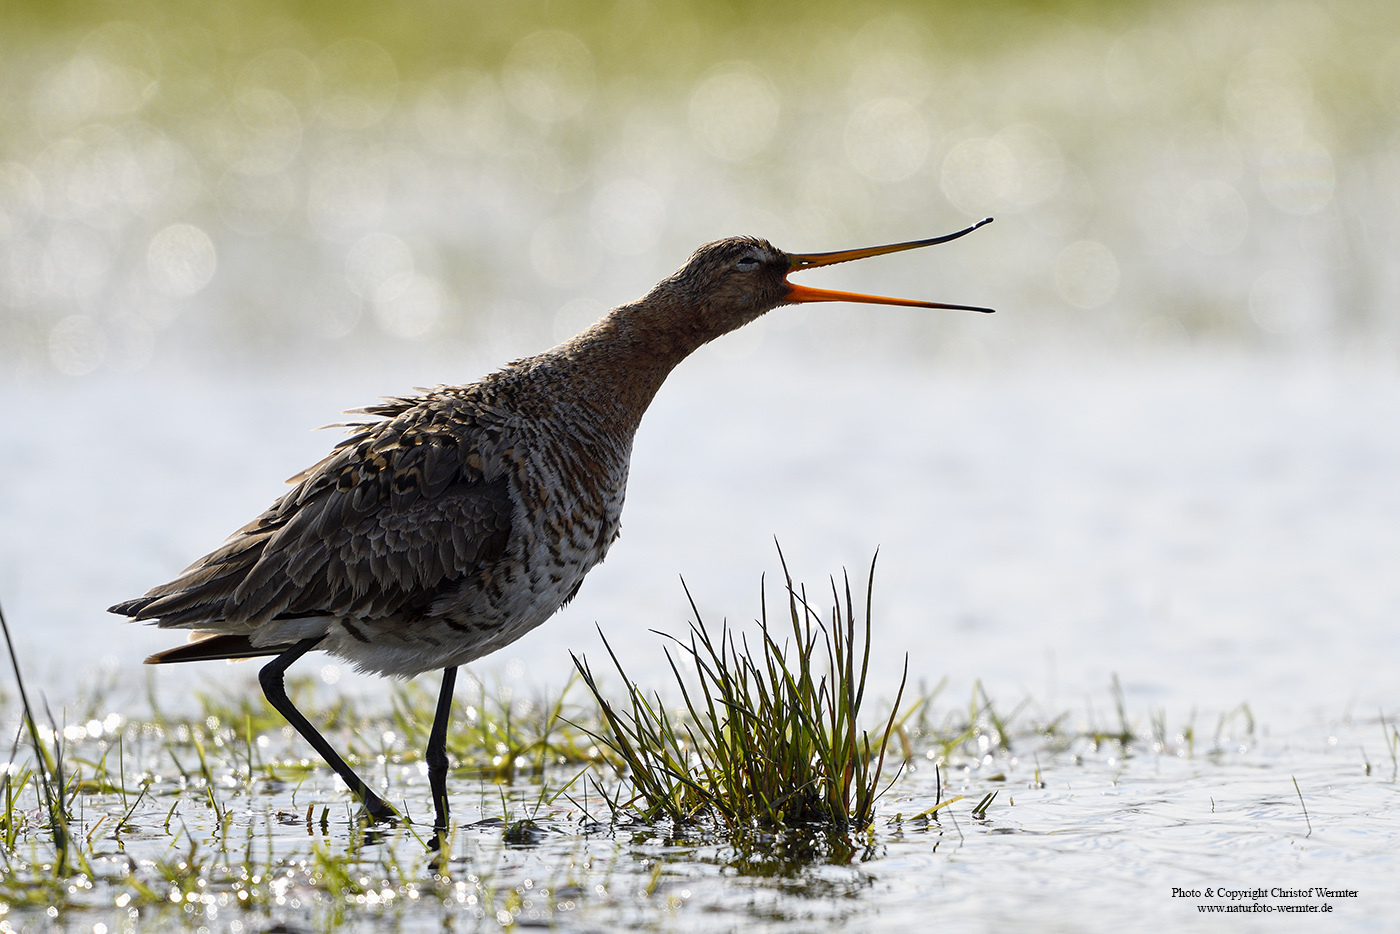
x=271 y=679
x=437 y=750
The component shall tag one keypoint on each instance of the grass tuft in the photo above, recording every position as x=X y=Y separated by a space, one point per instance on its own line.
x=50 y=780
x=769 y=738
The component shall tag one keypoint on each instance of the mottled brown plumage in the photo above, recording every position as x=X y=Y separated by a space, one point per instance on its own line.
x=458 y=520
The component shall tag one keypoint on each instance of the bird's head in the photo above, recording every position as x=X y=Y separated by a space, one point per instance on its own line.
x=730 y=282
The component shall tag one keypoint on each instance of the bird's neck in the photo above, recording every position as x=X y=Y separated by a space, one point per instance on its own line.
x=621 y=361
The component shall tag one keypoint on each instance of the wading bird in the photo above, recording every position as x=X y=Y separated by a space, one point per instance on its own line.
x=461 y=519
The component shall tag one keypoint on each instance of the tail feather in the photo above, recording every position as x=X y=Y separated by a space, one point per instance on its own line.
x=130 y=607
x=216 y=647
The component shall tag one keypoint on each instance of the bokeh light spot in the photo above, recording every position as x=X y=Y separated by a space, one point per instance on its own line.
x=346 y=193
x=129 y=61
x=563 y=253
x=378 y=266
x=887 y=139
x=25 y=272
x=113 y=72
x=1147 y=66
x=461 y=111
x=77 y=345
x=1086 y=274
x=80 y=258
x=181 y=260
x=255 y=204
x=1279 y=303
x=261 y=133
x=1214 y=218
x=1298 y=178
x=332 y=309
x=978 y=175
x=1269 y=94
x=628 y=216
x=362 y=83
x=1039 y=166
x=734 y=112
x=21 y=199
x=548 y=75
x=288 y=72
x=411 y=307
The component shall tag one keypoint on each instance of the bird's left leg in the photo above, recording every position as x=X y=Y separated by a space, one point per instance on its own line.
x=271 y=679
x=437 y=750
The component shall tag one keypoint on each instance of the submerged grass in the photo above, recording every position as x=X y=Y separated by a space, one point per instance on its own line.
x=770 y=738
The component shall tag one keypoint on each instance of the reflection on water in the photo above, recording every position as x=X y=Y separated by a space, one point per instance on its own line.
x=234 y=183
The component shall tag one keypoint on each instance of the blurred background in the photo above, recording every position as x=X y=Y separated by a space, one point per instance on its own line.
x=222 y=223
x=266 y=180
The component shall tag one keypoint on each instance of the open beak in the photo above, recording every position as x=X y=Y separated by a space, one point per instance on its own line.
x=802 y=293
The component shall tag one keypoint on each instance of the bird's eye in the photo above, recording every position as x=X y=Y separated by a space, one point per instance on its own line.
x=747 y=263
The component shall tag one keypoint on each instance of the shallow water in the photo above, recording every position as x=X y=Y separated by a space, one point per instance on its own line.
x=1211 y=529
x=1085 y=838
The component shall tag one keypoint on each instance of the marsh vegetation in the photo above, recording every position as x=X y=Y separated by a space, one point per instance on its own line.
x=769 y=770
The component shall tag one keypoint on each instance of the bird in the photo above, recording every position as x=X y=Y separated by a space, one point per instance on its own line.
x=454 y=521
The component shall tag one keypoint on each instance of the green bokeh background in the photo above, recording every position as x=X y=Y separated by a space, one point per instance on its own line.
x=403 y=176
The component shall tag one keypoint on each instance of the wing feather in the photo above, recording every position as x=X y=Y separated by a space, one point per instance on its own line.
x=395 y=518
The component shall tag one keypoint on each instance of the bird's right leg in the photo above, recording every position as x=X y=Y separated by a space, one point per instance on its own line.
x=271 y=678
x=437 y=752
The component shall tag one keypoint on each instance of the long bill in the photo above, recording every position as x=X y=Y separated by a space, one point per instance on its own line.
x=803 y=293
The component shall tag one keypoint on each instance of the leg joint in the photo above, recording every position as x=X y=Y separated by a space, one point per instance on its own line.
x=436 y=757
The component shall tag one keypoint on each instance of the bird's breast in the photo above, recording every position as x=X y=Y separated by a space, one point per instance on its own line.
x=570 y=499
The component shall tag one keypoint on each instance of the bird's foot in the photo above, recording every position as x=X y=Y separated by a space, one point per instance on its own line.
x=380 y=811
x=440 y=827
